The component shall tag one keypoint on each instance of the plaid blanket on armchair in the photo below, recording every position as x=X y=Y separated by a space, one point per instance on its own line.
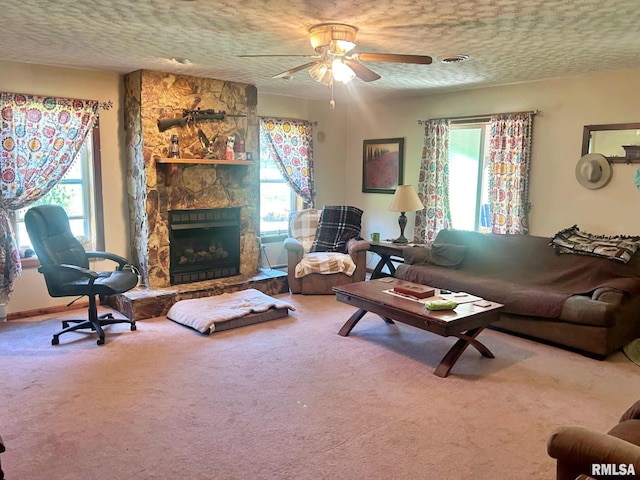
x=324 y=235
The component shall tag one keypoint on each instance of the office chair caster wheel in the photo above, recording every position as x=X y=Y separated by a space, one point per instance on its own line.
x=133 y=328
x=100 y=341
x=65 y=324
x=55 y=341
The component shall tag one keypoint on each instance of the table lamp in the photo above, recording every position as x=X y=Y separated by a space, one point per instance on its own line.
x=405 y=199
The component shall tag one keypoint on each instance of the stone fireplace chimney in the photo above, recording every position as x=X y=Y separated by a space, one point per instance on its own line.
x=155 y=189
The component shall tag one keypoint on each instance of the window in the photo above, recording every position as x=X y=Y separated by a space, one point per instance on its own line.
x=468 y=176
x=277 y=199
x=80 y=194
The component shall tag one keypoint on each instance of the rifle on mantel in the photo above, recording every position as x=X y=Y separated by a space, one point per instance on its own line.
x=192 y=116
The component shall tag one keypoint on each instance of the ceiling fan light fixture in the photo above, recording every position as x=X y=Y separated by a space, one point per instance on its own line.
x=339 y=38
x=321 y=72
x=341 y=71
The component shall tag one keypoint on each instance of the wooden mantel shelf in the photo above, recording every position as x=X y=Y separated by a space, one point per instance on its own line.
x=170 y=165
x=203 y=161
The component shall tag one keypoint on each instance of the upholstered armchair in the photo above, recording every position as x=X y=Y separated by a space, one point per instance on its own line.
x=577 y=448
x=324 y=249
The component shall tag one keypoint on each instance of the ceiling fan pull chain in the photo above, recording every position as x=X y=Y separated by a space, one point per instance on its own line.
x=332 y=103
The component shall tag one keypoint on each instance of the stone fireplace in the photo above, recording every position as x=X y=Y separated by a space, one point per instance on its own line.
x=204 y=244
x=158 y=186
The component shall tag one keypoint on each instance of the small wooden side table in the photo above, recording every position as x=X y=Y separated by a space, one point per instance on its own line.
x=389 y=252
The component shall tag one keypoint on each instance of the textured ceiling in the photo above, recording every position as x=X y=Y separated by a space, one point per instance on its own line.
x=507 y=40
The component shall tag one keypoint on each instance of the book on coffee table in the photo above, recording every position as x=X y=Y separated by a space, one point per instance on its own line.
x=417 y=291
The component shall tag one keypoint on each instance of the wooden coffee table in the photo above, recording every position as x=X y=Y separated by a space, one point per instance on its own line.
x=465 y=322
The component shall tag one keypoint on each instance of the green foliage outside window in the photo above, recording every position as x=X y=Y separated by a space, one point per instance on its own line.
x=58 y=195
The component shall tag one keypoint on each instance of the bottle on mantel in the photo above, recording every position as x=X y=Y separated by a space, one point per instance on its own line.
x=174 y=148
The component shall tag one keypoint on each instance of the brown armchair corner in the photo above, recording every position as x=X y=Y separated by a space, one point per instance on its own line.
x=577 y=448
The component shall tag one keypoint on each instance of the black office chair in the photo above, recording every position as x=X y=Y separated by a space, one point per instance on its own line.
x=65 y=266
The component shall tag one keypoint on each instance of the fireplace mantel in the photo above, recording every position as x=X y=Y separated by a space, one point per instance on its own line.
x=170 y=165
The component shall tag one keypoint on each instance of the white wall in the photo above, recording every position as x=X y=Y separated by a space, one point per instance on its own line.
x=567 y=105
x=30 y=291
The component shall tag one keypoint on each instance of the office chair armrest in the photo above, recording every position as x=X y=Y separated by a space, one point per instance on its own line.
x=121 y=261
x=85 y=272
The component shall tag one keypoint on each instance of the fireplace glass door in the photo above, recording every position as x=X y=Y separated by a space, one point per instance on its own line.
x=204 y=244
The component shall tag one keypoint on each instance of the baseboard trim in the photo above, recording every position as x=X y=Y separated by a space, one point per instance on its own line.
x=44 y=311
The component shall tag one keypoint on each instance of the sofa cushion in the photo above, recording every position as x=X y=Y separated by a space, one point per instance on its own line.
x=521 y=299
x=337 y=225
x=441 y=254
x=629 y=431
x=572 y=240
x=632 y=413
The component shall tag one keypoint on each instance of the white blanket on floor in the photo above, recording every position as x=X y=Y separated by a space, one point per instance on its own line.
x=203 y=313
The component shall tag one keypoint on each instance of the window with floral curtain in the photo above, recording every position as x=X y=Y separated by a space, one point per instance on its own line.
x=39 y=140
x=290 y=144
x=509 y=163
x=433 y=182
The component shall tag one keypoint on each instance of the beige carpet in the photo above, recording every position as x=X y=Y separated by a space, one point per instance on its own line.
x=291 y=399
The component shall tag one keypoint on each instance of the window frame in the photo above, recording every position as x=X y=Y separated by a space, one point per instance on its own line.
x=95 y=189
x=295 y=203
x=482 y=124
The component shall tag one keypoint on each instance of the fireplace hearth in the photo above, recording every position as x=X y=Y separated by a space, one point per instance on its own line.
x=204 y=244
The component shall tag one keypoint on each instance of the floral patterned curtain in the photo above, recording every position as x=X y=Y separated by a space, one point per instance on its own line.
x=290 y=145
x=433 y=183
x=509 y=161
x=39 y=139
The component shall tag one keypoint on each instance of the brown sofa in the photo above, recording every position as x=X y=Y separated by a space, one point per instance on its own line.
x=581 y=302
x=577 y=448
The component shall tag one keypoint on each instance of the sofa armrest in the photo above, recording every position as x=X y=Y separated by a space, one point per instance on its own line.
x=608 y=295
x=354 y=246
x=576 y=445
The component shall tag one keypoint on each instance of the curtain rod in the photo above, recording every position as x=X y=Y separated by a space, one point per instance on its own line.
x=103 y=105
x=478 y=117
x=289 y=119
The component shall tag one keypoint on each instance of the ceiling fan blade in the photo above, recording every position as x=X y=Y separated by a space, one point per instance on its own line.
x=362 y=72
x=291 y=71
x=270 y=55
x=393 y=57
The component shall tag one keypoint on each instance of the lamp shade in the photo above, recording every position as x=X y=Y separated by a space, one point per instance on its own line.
x=405 y=200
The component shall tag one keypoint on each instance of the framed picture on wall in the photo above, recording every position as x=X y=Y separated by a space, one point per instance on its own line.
x=382 y=165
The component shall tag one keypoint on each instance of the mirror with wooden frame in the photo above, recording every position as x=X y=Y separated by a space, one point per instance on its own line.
x=618 y=142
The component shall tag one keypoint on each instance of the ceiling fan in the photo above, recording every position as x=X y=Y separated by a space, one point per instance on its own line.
x=332 y=43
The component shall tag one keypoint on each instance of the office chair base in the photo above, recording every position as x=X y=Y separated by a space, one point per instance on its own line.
x=96 y=326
